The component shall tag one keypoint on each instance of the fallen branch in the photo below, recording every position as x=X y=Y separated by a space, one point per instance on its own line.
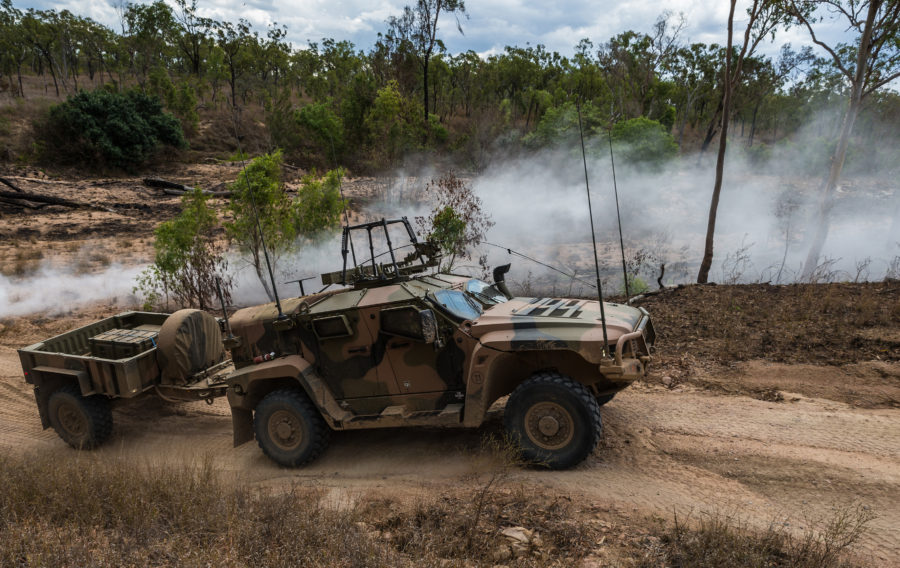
x=5 y=181
x=52 y=201
x=21 y=203
x=173 y=188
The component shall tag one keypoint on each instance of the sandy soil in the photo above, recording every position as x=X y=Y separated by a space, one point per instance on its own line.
x=687 y=450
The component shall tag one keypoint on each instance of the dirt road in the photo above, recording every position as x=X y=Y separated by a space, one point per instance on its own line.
x=798 y=460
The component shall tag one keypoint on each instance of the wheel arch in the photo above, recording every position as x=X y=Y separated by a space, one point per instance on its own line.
x=495 y=374
x=249 y=385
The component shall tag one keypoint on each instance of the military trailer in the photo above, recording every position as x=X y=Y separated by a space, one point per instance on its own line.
x=396 y=345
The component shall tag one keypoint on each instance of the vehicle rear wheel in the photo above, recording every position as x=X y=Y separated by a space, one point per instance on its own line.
x=554 y=420
x=289 y=428
x=84 y=422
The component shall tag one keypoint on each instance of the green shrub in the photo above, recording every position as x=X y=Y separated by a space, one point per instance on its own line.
x=643 y=142
x=436 y=131
x=559 y=125
x=102 y=128
x=188 y=260
x=324 y=129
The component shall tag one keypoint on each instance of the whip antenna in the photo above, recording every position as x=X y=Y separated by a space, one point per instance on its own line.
x=593 y=236
x=618 y=216
x=343 y=202
x=262 y=239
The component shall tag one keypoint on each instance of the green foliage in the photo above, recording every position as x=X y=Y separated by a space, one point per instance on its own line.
x=436 y=131
x=325 y=129
x=393 y=123
x=643 y=142
x=258 y=191
x=636 y=285
x=116 y=129
x=188 y=261
x=559 y=125
x=318 y=205
x=448 y=230
x=180 y=99
x=457 y=222
x=667 y=119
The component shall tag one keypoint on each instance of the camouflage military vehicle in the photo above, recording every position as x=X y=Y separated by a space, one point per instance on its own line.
x=399 y=347
x=394 y=346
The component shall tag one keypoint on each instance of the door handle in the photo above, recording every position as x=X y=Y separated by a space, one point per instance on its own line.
x=362 y=349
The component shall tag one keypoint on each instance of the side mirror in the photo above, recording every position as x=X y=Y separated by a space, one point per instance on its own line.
x=500 y=280
x=411 y=323
x=429 y=326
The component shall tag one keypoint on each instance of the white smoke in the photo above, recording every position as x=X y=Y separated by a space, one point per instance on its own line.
x=54 y=291
x=539 y=206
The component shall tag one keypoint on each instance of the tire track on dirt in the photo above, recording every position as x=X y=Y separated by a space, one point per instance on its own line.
x=661 y=451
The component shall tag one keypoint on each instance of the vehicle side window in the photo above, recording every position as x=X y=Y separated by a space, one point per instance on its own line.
x=405 y=322
x=330 y=327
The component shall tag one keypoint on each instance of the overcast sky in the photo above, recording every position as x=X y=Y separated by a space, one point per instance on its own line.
x=491 y=24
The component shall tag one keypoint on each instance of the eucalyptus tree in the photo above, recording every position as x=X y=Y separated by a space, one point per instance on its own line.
x=870 y=63
x=415 y=32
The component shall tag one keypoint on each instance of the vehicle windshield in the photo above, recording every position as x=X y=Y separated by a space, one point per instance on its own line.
x=487 y=294
x=458 y=304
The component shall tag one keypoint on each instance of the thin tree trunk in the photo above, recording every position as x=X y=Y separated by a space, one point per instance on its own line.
x=840 y=152
x=706 y=264
x=711 y=131
x=753 y=125
x=826 y=203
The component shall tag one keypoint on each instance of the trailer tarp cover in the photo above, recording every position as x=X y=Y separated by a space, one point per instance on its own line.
x=189 y=342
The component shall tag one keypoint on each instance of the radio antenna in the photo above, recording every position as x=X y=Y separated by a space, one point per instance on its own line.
x=343 y=201
x=618 y=216
x=593 y=235
x=262 y=239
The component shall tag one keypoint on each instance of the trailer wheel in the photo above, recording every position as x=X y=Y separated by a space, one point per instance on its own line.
x=289 y=428
x=84 y=422
x=554 y=420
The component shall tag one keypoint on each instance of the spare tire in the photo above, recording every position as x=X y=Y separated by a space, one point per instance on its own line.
x=189 y=342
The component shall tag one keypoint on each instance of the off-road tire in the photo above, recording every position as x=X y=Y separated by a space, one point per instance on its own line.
x=554 y=420
x=83 y=422
x=289 y=428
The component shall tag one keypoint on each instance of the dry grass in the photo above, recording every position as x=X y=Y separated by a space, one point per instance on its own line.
x=25 y=260
x=717 y=540
x=80 y=512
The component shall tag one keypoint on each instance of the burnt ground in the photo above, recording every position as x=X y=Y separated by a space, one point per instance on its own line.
x=738 y=335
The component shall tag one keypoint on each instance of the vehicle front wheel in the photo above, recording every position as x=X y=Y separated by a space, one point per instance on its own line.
x=289 y=428
x=554 y=420
x=84 y=422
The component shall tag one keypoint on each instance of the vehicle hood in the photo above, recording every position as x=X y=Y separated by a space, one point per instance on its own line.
x=554 y=323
